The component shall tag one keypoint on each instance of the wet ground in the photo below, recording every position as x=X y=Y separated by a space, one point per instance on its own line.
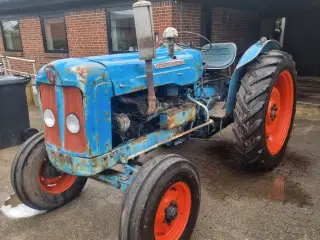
x=309 y=90
x=281 y=204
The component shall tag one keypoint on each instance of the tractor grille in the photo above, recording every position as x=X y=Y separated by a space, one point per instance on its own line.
x=73 y=104
x=49 y=101
x=71 y=99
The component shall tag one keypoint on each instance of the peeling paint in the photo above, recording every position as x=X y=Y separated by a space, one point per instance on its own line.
x=82 y=72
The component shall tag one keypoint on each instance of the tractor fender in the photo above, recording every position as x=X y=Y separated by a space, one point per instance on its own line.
x=262 y=46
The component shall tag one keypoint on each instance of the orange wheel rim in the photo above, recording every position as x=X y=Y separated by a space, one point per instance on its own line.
x=173 y=212
x=279 y=114
x=52 y=181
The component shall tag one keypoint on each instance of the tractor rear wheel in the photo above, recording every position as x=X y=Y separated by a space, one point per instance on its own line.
x=163 y=201
x=265 y=109
x=37 y=183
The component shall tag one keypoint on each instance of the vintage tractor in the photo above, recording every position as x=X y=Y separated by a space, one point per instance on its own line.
x=101 y=113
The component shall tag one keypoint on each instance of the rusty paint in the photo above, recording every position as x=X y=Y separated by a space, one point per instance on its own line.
x=81 y=166
x=89 y=150
x=139 y=140
x=138 y=88
x=107 y=145
x=66 y=158
x=81 y=71
x=175 y=117
x=56 y=72
x=97 y=82
x=95 y=162
x=104 y=76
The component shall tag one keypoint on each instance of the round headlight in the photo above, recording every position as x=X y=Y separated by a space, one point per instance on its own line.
x=48 y=118
x=73 y=123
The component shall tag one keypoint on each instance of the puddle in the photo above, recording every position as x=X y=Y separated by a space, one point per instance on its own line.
x=14 y=208
x=287 y=191
x=276 y=185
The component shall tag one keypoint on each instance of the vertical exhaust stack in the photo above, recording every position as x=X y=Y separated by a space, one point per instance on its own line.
x=145 y=36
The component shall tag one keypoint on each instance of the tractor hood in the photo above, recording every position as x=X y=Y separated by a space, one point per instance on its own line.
x=99 y=80
x=125 y=71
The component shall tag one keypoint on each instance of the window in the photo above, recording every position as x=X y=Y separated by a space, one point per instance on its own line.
x=122 y=31
x=11 y=35
x=54 y=34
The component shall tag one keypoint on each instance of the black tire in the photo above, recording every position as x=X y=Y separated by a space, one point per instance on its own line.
x=28 y=133
x=252 y=106
x=24 y=177
x=146 y=191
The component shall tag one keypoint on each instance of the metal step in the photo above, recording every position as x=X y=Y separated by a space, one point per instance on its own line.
x=218 y=110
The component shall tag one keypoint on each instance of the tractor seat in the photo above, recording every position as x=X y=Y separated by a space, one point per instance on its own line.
x=220 y=56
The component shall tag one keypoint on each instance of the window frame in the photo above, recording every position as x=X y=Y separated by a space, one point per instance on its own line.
x=3 y=37
x=109 y=11
x=43 y=32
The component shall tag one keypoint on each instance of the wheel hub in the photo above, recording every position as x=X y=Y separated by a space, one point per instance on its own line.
x=171 y=212
x=274 y=110
x=51 y=180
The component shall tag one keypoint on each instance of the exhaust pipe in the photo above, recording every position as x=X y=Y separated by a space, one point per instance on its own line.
x=142 y=11
x=152 y=99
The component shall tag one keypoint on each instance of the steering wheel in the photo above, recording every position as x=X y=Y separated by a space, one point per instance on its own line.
x=190 y=45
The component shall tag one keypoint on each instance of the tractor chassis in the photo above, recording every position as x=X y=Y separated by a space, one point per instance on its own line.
x=101 y=168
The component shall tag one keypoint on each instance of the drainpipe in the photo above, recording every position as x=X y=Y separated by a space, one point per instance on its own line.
x=145 y=37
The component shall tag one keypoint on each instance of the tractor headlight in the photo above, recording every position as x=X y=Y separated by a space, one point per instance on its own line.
x=48 y=118
x=73 y=123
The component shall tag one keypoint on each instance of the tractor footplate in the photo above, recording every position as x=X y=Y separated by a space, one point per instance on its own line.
x=218 y=110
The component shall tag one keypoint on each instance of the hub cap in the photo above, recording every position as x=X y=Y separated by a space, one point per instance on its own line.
x=173 y=212
x=279 y=112
x=53 y=181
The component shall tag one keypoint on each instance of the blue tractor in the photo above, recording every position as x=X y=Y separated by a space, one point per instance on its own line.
x=101 y=113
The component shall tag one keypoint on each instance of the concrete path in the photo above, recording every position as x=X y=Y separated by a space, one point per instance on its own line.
x=282 y=204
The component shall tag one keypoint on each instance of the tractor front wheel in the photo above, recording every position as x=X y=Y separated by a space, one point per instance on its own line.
x=265 y=109
x=37 y=182
x=163 y=201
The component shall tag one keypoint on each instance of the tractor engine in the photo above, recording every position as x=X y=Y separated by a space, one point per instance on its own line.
x=130 y=118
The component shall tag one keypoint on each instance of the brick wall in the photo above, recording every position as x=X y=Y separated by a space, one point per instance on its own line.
x=87 y=32
x=32 y=44
x=187 y=17
x=238 y=26
x=162 y=16
x=183 y=16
